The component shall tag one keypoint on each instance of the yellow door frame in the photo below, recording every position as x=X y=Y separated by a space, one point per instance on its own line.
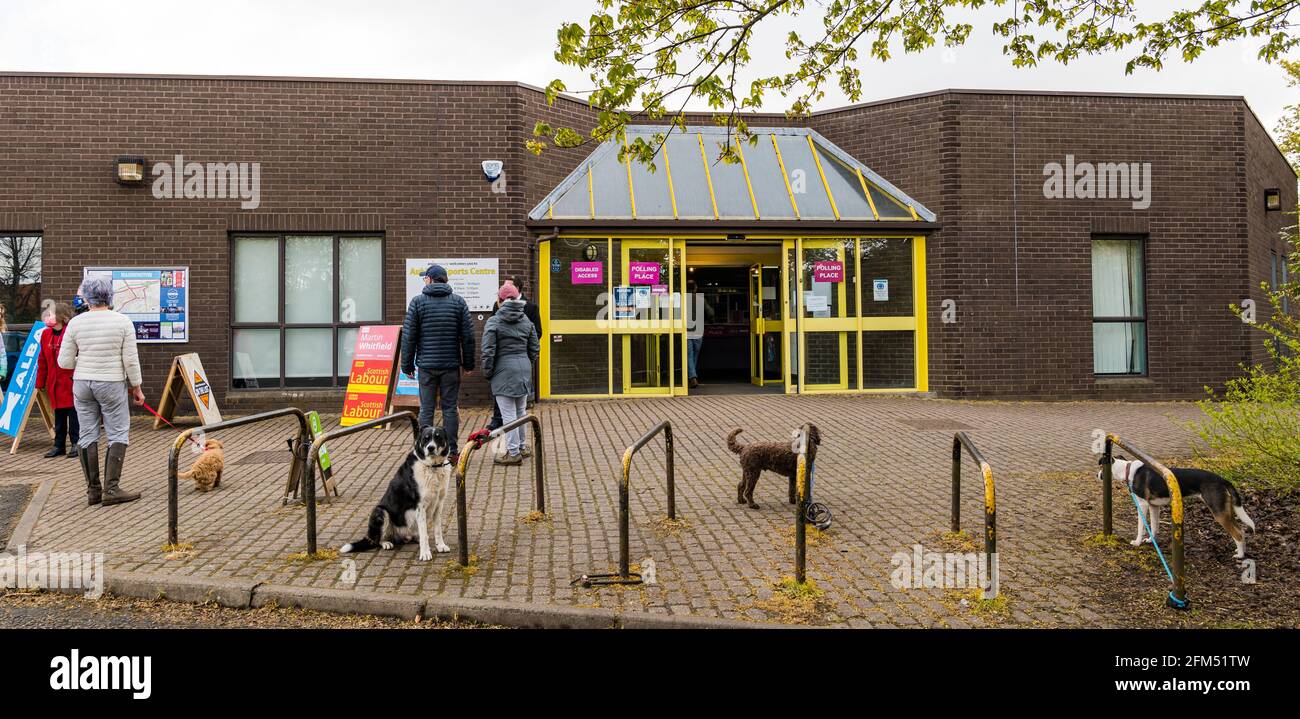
x=760 y=326
x=755 y=298
x=841 y=323
x=655 y=326
x=790 y=325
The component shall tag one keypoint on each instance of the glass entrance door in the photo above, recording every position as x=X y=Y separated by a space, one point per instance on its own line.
x=822 y=299
x=765 y=325
x=646 y=314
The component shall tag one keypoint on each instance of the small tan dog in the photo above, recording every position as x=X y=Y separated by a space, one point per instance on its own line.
x=206 y=470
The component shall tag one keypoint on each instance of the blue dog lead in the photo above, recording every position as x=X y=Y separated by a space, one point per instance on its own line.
x=1181 y=603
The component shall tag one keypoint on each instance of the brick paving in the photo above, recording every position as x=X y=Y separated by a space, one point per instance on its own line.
x=883 y=469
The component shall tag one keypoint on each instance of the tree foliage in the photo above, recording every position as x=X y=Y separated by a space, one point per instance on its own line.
x=649 y=59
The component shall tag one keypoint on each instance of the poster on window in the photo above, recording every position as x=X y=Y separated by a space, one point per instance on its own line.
x=476 y=279
x=374 y=360
x=625 y=302
x=156 y=300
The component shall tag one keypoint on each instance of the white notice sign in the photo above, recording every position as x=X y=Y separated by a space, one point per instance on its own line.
x=474 y=278
x=880 y=290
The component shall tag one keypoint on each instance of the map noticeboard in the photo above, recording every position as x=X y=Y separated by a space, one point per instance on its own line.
x=156 y=300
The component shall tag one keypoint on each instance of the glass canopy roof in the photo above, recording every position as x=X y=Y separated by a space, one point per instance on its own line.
x=789 y=174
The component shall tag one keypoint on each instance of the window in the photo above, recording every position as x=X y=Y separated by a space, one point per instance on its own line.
x=297 y=301
x=1118 y=307
x=20 y=277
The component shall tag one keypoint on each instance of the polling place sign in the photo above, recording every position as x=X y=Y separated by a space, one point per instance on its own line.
x=18 y=399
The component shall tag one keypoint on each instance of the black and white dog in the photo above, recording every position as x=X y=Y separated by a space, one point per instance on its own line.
x=1152 y=493
x=418 y=490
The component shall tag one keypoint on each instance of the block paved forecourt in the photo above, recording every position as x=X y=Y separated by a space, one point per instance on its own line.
x=883 y=469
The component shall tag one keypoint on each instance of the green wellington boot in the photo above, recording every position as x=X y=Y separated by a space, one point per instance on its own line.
x=113 y=494
x=90 y=469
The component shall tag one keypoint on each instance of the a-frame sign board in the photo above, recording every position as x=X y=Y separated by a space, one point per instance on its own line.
x=187 y=377
x=42 y=402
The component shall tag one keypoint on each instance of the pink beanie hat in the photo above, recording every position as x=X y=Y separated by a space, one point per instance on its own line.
x=508 y=291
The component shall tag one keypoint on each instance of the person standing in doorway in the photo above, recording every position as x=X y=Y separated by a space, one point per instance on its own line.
x=99 y=346
x=438 y=338
x=534 y=315
x=695 y=338
x=57 y=382
x=510 y=348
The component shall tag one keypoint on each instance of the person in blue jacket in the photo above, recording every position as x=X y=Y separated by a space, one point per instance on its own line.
x=438 y=339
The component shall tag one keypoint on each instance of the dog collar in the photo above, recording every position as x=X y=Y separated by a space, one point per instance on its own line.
x=1128 y=472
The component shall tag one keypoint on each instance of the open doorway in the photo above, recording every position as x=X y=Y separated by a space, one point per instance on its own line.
x=733 y=355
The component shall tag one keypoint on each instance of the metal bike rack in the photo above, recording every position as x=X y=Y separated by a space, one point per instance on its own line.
x=173 y=458
x=313 y=455
x=960 y=441
x=539 y=488
x=1177 y=598
x=625 y=574
x=807 y=457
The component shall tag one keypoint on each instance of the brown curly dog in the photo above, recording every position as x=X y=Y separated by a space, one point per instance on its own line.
x=778 y=457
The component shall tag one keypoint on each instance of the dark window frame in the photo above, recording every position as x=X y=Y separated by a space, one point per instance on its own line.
x=1136 y=319
x=337 y=326
x=39 y=235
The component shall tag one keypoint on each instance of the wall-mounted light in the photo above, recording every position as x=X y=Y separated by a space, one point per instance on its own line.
x=1272 y=199
x=590 y=252
x=130 y=170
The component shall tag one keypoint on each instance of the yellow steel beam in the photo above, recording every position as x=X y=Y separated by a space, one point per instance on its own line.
x=788 y=190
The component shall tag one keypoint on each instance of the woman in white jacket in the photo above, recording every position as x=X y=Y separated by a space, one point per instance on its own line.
x=99 y=346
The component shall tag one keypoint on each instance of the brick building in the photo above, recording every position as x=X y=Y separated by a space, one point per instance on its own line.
x=995 y=284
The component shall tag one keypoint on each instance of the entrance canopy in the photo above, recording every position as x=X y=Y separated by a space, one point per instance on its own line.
x=791 y=175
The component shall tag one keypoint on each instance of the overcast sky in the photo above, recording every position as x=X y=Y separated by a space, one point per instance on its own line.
x=509 y=40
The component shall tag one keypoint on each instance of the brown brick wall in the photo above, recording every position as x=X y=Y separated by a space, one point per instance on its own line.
x=403 y=158
x=1018 y=264
x=1265 y=169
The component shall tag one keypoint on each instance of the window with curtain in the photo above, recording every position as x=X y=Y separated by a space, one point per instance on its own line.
x=1119 y=341
x=297 y=301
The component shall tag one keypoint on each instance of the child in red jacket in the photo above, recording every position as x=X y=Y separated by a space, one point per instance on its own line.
x=57 y=382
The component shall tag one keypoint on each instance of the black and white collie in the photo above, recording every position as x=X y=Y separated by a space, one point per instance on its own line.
x=1152 y=493
x=418 y=490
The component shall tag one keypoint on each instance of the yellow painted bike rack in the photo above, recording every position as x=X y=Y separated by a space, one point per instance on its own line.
x=961 y=441
x=807 y=456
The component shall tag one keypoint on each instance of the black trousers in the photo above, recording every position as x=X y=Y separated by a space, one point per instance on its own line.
x=66 y=427
x=440 y=389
